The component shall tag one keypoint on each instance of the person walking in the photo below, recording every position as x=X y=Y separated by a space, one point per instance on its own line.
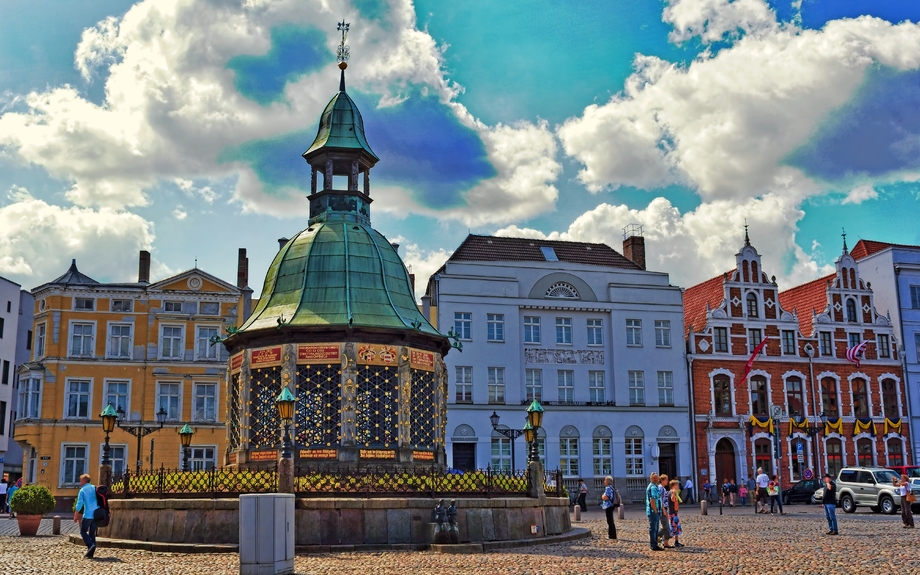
x=726 y=492
x=688 y=487
x=742 y=493
x=779 y=496
x=653 y=510
x=9 y=497
x=772 y=493
x=86 y=505
x=830 y=504
x=609 y=501
x=673 y=507
x=582 y=495
x=664 y=534
x=3 y=489
x=707 y=491
x=733 y=492
x=762 y=482
x=903 y=487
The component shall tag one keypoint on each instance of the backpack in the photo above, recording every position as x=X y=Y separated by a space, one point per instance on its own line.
x=617 y=501
x=101 y=514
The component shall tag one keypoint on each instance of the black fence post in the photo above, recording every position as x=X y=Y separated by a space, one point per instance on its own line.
x=160 y=480
x=126 y=489
x=489 y=482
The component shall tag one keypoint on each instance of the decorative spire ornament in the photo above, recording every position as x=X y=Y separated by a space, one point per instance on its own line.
x=747 y=240
x=342 y=53
x=844 y=234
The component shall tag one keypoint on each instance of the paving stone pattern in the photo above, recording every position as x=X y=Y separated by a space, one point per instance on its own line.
x=715 y=546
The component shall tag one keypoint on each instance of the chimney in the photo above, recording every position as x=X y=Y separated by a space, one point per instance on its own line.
x=143 y=268
x=242 y=269
x=281 y=243
x=634 y=245
x=395 y=246
x=412 y=284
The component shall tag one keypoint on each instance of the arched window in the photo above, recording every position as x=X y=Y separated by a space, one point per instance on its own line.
x=895 y=452
x=501 y=453
x=759 y=399
x=829 y=397
x=864 y=456
x=851 y=310
x=752 y=305
x=860 y=398
x=635 y=460
x=763 y=455
x=600 y=451
x=834 y=456
x=568 y=451
x=890 y=399
x=794 y=399
x=562 y=290
x=722 y=395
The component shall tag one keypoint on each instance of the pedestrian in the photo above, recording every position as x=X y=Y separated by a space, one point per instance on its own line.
x=653 y=510
x=582 y=495
x=688 y=487
x=830 y=504
x=673 y=519
x=903 y=487
x=742 y=493
x=707 y=491
x=610 y=500
x=664 y=534
x=3 y=489
x=762 y=482
x=726 y=492
x=772 y=493
x=9 y=497
x=733 y=492
x=779 y=496
x=86 y=505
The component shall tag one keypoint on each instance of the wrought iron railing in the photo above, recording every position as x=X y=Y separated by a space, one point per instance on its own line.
x=554 y=486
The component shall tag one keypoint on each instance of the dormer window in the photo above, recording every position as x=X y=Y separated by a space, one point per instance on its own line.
x=851 y=310
x=549 y=254
x=562 y=290
x=752 y=305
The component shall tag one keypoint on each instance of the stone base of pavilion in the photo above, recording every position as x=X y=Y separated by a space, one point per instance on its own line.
x=341 y=524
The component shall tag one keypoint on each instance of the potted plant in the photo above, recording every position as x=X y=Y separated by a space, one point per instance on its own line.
x=29 y=504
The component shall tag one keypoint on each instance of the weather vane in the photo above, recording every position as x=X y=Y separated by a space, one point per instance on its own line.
x=342 y=52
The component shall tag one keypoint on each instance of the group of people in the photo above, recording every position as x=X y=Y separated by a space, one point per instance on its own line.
x=760 y=489
x=662 y=504
x=6 y=495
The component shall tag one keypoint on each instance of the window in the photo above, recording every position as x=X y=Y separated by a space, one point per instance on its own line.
x=915 y=297
x=884 y=348
x=864 y=453
x=860 y=398
x=205 y=402
x=600 y=450
x=464 y=383
x=720 y=339
x=533 y=380
x=116 y=393
x=789 y=342
x=202 y=458
x=853 y=339
x=209 y=308
x=595 y=332
x=568 y=456
x=794 y=399
x=531 y=329
x=118 y=455
x=121 y=305
x=120 y=340
x=827 y=344
x=665 y=388
x=566 y=381
x=29 y=340
x=172 y=306
x=495 y=323
x=171 y=342
x=73 y=463
x=851 y=310
x=564 y=330
x=81 y=339
x=562 y=290
x=662 y=333
x=754 y=338
x=834 y=449
x=29 y=398
x=2 y=418
x=5 y=372
x=2 y=324
x=763 y=455
x=917 y=345
x=759 y=401
x=634 y=332
x=76 y=399
x=463 y=325
x=84 y=304
x=168 y=400
x=501 y=454
x=722 y=396
x=205 y=349
x=496 y=385
x=39 y=340
x=752 y=305
x=636 y=388
x=634 y=461
x=829 y=397
x=895 y=452
x=890 y=399
x=596 y=387
x=549 y=254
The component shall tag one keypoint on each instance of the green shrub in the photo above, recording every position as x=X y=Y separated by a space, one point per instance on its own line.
x=32 y=499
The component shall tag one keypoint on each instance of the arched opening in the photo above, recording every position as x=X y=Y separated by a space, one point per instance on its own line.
x=834 y=456
x=799 y=467
x=501 y=453
x=463 y=448
x=568 y=452
x=759 y=396
x=895 y=452
x=795 y=404
x=829 y=397
x=763 y=455
x=752 y=305
x=864 y=456
x=600 y=451
x=860 y=398
x=890 y=399
x=722 y=395
x=851 y=310
x=635 y=456
x=725 y=461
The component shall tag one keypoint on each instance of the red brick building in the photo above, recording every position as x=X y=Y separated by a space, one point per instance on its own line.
x=801 y=374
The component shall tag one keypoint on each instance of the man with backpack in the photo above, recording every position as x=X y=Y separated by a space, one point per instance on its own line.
x=87 y=504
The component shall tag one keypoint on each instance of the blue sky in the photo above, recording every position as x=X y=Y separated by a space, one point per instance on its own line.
x=515 y=118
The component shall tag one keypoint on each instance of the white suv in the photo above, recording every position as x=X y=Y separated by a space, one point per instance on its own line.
x=869 y=487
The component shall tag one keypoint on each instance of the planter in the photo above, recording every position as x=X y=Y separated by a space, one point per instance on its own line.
x=28 y=524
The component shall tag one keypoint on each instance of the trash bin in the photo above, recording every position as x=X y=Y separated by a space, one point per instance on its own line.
x=267 y=534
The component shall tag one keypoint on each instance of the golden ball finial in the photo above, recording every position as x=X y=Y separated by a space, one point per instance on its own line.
x=343 y=65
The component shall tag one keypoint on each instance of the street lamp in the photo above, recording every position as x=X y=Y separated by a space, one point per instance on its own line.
x=141 y=429
x=511 y=434
x=108 y=415
x=185 y=436
x=285 y=404
x=530 y=436
x=534 y=422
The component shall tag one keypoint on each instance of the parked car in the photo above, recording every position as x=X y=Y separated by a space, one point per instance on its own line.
x=869 y=487
x=801 y=492
x=818 y=496
x=908 y=470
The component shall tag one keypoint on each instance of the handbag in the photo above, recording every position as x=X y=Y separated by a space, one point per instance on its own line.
x=911 y=497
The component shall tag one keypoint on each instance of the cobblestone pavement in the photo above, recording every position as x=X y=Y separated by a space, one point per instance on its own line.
x=715 y=546
x=11 y=526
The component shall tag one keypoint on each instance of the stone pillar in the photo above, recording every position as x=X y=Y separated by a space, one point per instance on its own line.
x=440 y=399
x=367 y=182
x=349 y=450
x=105 y=476
x=245 y=397
x=312 y=180
x=404 y=424
x=286 y=475
x=353 y=177
x=327 y=175
x=535 y=472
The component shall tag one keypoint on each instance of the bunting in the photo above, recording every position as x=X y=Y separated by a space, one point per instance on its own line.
x=835 y=424
x=893 y=426
x=865 y=426
x=766 y=423
x=793 y=425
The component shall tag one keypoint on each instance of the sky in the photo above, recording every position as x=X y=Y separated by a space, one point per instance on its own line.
x=178 y=126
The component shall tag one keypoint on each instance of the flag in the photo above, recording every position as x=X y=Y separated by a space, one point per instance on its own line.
x=750 y=361
x=854 y=353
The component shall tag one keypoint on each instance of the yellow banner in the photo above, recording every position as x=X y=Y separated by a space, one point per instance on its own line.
x=892 y=426
x=768 y=424
x=793 y=425
x=833 y=425
x=865 y=427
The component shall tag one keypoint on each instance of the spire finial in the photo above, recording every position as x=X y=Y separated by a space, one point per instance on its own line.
x=747 y=240
x=844 y=234
x=342 y=53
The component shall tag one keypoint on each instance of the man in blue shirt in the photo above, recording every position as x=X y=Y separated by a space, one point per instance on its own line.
x=86 y=504
x=653 y=511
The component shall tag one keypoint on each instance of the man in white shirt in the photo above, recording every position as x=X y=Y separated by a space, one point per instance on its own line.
x=762 y=482
x=688 y=487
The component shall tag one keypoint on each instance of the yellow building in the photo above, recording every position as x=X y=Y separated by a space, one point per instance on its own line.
x=140 y=346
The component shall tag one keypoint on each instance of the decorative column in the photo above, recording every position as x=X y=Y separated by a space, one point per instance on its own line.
x=312 y=179
x=353 y=177
x=245 y=398
x=440 y=401
x=367 y=182
x=327 y=175
x=349 y=451
x=404 y=431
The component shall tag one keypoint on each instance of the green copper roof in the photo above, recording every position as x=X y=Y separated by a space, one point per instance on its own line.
x=341 y=127
x=338 y=273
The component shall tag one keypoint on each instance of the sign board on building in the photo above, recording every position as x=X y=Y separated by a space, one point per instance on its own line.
x=423 y=455
x=319 y=454
x=377 y=454
x=236 y=362
x=423 y=360
x=319 y=353
x=371 y=354
x=800 y=452
x=265 y=357
x=45 y=457
x=269 y=455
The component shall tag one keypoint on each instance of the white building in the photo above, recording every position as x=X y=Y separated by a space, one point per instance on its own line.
x=894 y=272
x=16 y=310
x=591 y=334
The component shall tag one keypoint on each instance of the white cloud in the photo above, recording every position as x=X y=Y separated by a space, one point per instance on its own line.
x=715 y=20
x=179 y=213
x=860 y=194
x=421 y=262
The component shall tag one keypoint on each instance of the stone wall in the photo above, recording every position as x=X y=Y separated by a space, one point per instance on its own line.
x=338 y=521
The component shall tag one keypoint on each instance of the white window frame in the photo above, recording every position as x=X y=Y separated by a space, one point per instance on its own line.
x=782 y=342
x=198 y=341
x=831 y=351
x=563 y=330
x=70 y=336
x=26 y=392
x=597 y=386
x=496 y=383
x=569 y=458
x=89 y=398
x=130 y=305
x=595 y=328
x=113 y=446
x=105 y=393
x=74 y=303
x=41 y=331
x=533 y=384
x=886 y=347
x=465 y=324
x=635 y=456
x=170 y=302
x=160 y=346
x=532 y=328
x=753 y=345
x=728 y=340
x=464 y=384
x=602 y=456
x=194 y=414
x=666 y=388
x=495 y=327
x=565 y=381
x=914 y=296
x=500 y=461
x=159 y=404
x=851 y=336
x=86 y=456
x=636 y=387
x=108 y=339
x=192 y=458
x=663 y=333
x=633 y=333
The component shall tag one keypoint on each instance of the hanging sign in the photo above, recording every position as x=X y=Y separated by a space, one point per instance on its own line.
x=236 y=363
x=318 y=454
x=266 y=357
x=423 y=360
x=377 y=454
x=270 y=455
x=320 y=353
x=423 y=455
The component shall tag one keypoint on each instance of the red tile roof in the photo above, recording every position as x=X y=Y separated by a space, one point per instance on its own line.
x=711 y=292
x=865 y=248
x=505 y=249
x=805 y=299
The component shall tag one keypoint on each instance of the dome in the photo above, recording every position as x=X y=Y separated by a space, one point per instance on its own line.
x=341 y=127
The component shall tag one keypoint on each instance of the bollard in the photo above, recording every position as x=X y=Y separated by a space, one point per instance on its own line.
x=704 y=508
x=577 y=513
x=56 y=525
x=621 y=512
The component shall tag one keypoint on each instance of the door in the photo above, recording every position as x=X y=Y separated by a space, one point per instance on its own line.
x=667 y=459
x=464 y=456
x=725 y=463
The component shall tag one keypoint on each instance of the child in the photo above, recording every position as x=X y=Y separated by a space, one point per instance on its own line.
x=742 y=493
x=673 y=519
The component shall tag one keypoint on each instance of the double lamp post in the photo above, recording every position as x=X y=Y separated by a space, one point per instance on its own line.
x=530 y=431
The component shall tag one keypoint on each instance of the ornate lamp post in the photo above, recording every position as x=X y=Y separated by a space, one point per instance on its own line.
x=141 y=429
x=108 y=415
x=511 y=434
x=535 y=420
x=285 y=404
x=185 y=436
x=530 y=436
